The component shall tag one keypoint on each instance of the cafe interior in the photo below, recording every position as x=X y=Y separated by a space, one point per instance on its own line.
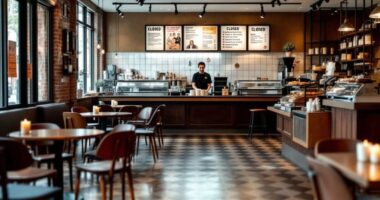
x=190 y=99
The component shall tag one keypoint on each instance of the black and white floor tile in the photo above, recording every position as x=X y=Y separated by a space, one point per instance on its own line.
x=211 y=168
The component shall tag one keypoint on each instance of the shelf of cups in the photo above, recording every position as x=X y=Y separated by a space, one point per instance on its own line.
x=361 y=32
x=355 y=60
x=356 y=47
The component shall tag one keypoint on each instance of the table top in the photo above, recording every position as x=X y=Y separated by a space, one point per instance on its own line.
x=365 y=174
x=120 y=106
x=57 y=134
x=105 y=114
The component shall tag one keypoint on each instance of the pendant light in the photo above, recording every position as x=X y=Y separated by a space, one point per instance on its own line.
x=117 y=36
x=99 y=46
x=375 y=14
x=346 y=26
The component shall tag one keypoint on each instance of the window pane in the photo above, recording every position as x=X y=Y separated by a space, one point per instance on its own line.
x=80 y=12
x=13 y=43
x=43 y=52
x=80 y=58
x=89 y=59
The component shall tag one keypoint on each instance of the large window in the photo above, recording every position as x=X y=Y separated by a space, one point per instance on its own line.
x=86 y=51
x=25 y=60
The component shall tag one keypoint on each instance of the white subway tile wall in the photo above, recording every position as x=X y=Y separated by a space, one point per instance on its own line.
x=251 y=65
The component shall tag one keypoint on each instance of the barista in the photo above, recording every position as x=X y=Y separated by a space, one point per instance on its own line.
x=201 y=79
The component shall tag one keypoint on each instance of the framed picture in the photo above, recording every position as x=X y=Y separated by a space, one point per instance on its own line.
x=259 y=38
x=200 y=38
x=154 y=38
x=173 y=38
x=233 y=37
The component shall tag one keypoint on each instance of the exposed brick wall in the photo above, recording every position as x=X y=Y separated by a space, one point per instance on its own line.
x=64 y=85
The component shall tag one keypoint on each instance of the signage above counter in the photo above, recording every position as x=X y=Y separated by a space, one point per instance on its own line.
x=206 y=38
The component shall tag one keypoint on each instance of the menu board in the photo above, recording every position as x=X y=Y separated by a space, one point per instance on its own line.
x=201 y=38
x=259 y=38
x=154 y=38
x=233 y=38
x=173 y=41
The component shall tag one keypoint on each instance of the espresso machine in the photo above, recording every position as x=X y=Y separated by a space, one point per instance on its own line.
x=285 y=67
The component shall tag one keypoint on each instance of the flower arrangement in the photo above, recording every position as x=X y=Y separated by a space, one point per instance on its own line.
x=288 y=47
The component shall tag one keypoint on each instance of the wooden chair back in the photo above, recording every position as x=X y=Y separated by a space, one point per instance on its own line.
x=16 y=155
x=155 y=119
x=101 y=103
x=106 y=108
x=73 y=120
x=36 y=126
x=335 y=145
x=120 y=143
x=132 y=109
x=79 y=109
x=327 y=183
x=145 y=113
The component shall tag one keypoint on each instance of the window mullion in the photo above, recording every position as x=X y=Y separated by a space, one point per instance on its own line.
x=34 y=52
x=23 y=53
x=3 y=52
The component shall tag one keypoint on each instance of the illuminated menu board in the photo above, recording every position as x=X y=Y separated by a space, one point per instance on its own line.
x=200 y=38
x=154 y=38
x=259 y=38
x=233 y=38
x=173 y=40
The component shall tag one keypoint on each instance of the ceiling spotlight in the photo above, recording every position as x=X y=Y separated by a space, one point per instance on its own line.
x=150 y=8
x=141 y=2
x=203 y=12
x=175 y=9
x=278 y=2
x=273 y=1
x=262 y=14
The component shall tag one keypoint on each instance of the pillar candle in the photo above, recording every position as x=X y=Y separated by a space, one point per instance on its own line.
x=362 y=151
x=375 y=153
x=25 y=126
x=95 y=109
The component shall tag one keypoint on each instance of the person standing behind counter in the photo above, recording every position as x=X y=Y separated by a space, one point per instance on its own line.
x=201 y=79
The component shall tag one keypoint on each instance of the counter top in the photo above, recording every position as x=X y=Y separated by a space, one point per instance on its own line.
x=278 y=111
x=191 y=98
x=351 y=105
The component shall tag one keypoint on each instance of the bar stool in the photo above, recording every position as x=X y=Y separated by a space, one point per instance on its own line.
x=258 y=121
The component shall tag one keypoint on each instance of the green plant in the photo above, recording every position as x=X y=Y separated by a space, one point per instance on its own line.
x=99 y=83
x=289 y=46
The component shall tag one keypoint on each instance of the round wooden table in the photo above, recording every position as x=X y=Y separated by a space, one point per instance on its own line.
x=118 y=107
x=103 y=117
x=58 y=136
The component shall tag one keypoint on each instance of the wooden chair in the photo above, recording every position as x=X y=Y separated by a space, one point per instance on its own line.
x=14 y=156
x=150 y=131
x=115 y=151
x=326 y=182
x=129 y=108
x=48 y=157
x=335 y=145
x=160 y=125
x=142 y=118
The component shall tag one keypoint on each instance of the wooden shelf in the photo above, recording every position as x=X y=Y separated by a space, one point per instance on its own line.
x=356 y=47
x=355 y=60
x=356 y=33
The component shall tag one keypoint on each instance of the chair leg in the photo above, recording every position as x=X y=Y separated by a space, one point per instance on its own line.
x=154 y=145
x=122 y=176
x=102 y=186
x=70 y=161
x=153 y=150
x=77 y=185
x=111 y=187
x=138 y=145
x=146 y=143
x=130 y=181
x=161 y=135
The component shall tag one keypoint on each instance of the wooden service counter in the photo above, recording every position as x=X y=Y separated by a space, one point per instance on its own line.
x=355 y=120
x=191 y=112
x=300 y=131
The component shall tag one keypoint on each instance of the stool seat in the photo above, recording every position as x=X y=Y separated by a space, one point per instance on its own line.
x=257 y=110
x=258 y=121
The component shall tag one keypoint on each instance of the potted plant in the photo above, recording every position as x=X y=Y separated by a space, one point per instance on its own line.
x=288 y=48
x=99 y=85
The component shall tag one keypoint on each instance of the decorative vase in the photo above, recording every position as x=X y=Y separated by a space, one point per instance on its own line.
x=288 y=53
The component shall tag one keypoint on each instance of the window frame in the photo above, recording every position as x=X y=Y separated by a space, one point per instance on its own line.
x=87 y=26
x=24 y=15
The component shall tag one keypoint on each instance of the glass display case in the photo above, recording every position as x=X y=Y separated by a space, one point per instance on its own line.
x=142 y=88
x=354 y=92
x=259 y=87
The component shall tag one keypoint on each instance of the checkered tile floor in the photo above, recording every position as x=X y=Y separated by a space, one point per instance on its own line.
x=211 y=167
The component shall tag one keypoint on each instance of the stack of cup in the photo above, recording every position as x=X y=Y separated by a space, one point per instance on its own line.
x=192 y=93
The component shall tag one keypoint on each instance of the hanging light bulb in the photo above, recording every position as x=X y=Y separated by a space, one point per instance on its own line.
x=375 y=14
x=98 y=46
x=103 y=51
x=346 y=26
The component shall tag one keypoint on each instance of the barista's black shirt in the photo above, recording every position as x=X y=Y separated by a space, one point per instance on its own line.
x=201 y=80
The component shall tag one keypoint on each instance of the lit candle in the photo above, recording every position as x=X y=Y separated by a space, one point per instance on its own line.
x=95 y=109
x=25 y=126
x=374 y=153
x=113 y=103
x=362 y=151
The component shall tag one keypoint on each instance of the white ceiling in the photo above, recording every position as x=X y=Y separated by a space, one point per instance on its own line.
x=303 y=7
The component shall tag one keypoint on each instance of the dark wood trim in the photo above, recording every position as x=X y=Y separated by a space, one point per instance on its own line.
x=3 y=52
x=23 y=53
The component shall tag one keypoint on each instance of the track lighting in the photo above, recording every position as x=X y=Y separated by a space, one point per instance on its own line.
x=175 y=9
x=121 y=14
x=141 y=2
x=203 y=12
x=273 y=1
x=317 y=5
x=278 y=2
x=150 y=8
x=262 y=14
